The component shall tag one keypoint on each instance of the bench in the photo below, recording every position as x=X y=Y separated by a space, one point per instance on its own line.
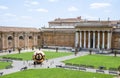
x=6 y=60
x=82 y=68
x=113 y=72
x=59 y=66
x=1 y=73
x=24 y=68
x=101 y=71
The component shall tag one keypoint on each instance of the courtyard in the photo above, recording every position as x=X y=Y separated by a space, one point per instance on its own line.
x=24 y=59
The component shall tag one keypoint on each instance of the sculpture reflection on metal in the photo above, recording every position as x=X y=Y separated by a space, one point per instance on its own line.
x=38 y=57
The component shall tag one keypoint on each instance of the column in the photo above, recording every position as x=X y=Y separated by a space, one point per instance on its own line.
x=84 y=39
x=34 y=40
x=25 y=39
x=108 y=40
x=15 y=43
x=76 y=38
x=18 y=40
x=3 y=41
x=81 y=39
x=89 y=39
x=98 y=45
x=103 y=40
x=6 y=37
x=28 y=41
x=93 y=39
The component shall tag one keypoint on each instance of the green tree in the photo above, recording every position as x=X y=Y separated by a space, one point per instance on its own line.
x=115 y=53
x=90 y=51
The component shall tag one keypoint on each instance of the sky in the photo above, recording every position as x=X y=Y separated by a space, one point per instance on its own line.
x=37 y=13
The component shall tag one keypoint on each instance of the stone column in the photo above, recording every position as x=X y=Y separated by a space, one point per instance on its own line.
x=28 y=41
x=81 y=39
x=84 y=39
x=34 y=40
x=89 y=39
x=18 y=40
x=108 y=40
x=3 y=41
x=103 y=40
x=93 y=39
x=76 y=38
x=25 y=40
x=98 y=44
x=6 y=38
x=15 y=39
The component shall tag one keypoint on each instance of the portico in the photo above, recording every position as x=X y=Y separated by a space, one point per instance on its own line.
x=97 y=36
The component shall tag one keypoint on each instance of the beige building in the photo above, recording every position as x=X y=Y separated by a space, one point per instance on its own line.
x=17 y=37
x=85 y=34
x=63 y=33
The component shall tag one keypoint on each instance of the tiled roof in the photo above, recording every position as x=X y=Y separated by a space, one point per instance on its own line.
x=17 y=29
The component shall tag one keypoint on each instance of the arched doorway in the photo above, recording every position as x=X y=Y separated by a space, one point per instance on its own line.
x=10 y=42
x=21 y=42
x=30 y=42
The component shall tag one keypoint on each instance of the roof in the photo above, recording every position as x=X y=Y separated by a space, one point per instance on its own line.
x=18 y=29
x=57 y=20
x=58 y=29
x=79 y=20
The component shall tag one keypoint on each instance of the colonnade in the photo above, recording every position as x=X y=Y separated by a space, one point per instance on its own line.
x=94 y=39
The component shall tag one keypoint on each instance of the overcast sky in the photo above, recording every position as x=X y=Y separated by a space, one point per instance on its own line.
x=37 y=13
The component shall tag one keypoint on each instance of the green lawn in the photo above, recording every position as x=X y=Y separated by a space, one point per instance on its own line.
x=4 y=64
x=28 y=55
x=96 y=60
x=55 y=73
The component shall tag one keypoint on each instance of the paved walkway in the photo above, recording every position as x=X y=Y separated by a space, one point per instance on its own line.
x=51 y=63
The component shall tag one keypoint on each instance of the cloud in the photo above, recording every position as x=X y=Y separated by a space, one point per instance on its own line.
x=26 y=17
x=41 y=10
x=53 y=0
x=99 y=5
x=34 y=3
x=9 y=14
x=30 y=3
x=3 y=7
x=72 y=8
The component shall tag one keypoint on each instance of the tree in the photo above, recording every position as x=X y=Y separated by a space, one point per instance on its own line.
x=90 y=51
x=56 y=49
x=19 y=50
x=115 y=53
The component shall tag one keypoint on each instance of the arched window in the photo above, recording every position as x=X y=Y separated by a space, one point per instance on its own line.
x=10 y=38
x=21 y=37
x=30 y=37
x=38 y=37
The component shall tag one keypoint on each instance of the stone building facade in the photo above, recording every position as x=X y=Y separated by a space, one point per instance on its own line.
x=85 y=34
x=17 y=37
x=64 y=33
